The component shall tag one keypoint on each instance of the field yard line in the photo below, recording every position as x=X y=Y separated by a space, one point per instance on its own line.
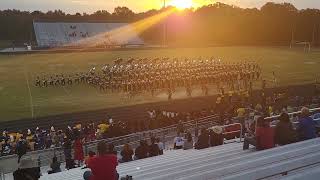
x=30 y=95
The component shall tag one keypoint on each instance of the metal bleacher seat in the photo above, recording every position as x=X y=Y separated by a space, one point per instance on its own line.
x=228 y=161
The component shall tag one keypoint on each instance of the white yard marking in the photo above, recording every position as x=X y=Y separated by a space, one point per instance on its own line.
x=310 y=62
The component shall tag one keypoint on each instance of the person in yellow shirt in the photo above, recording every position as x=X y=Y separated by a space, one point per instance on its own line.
x=103 y=129
x=241 y=112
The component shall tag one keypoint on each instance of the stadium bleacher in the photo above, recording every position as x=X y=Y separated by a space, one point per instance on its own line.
x=59 y=34
x=228 y=161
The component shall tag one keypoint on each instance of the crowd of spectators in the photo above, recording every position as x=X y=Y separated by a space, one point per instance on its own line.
x=231 y=108
x=262 y=133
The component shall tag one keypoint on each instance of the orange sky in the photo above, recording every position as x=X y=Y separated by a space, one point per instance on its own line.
x=89 y=6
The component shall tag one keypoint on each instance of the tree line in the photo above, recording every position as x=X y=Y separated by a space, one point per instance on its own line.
x=214 y=24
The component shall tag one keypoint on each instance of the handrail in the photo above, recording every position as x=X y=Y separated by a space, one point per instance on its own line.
x=153 y=131
x=236 y=130
x=293 y=113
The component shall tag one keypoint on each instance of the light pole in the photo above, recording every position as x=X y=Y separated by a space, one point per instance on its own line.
x=164 y=26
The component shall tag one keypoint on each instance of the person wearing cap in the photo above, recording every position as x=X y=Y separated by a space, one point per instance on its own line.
x=28 y=170
x=306 y=127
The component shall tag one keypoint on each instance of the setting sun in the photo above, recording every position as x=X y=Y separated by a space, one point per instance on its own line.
x=181 y=4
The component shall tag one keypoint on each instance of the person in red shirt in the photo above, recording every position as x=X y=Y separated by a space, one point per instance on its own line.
x=263 y=138
x=78 y=151
x=103 y=166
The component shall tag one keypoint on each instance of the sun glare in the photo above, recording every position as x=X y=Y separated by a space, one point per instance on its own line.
x=181 y=4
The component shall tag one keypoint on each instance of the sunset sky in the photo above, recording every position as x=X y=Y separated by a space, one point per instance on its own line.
x=89 y=6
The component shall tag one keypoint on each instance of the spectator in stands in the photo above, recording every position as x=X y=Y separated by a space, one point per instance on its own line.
x=178 y=141
x=180 y=127
x=241 y=112
x=263 y=137
x=55 y=166
x=203 y=140
x=142 y=150
x=126 y=153
x=6 y=149
x=67 y=153
x=21 y=147
x=111 y=149
x=284 y=132
x=103 y=129
x=188 y=143
x=28 y=170
x=160 y=145
x=153 y=148
x=306 y=128
x=78 y=151
x=90 y=156
x=216 y=136
x=103 y=166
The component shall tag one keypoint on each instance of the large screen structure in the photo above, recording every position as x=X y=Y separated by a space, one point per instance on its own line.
x=61 y=34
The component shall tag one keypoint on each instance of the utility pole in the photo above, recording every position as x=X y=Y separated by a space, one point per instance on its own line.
x=164 y=27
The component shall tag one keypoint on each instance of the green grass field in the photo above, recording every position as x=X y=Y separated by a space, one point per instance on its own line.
x=292 y=66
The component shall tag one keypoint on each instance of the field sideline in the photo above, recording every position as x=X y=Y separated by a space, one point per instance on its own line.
x=292 y=66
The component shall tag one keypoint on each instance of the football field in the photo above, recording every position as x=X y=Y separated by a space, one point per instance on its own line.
x=20 y=98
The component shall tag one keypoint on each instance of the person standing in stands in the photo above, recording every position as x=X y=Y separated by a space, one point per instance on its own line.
x=21 y=148
x=153 y=148
x=78 y=151
x=307 y=127
x=103 y=166
x=263 y=138
x=284 y=133
x=67 y=153
x=126 y=153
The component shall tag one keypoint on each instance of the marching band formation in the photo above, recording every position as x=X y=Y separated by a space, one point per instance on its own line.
x=162 y=74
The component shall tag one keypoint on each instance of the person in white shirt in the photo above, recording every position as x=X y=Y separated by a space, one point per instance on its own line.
x=178 y=141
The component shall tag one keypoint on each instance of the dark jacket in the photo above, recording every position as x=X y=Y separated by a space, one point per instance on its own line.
x=284 y=134
x=127 y=155
x=55 y=166
x=203 y=141
x=216 y=139
x=27 y=174
x=307 y=128
x=154 y=150
x=21 y=148
x=141 y=152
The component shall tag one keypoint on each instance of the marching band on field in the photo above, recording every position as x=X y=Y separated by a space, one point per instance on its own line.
x=162 y=74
